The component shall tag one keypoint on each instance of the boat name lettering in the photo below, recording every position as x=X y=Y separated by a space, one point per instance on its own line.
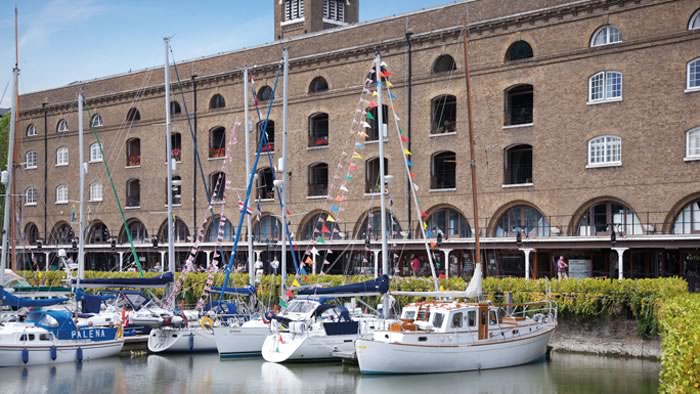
x=88 y=334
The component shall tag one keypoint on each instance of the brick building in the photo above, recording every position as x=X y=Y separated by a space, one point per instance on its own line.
x=584 y=111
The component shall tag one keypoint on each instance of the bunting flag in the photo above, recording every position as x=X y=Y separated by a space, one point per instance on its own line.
x=330 y=218
x=352 y=167
x=308 y=260
x=413 y=175
x=442 y=288
x=356 y=156
x=296 y=283
x=363 y=135
x=359 y=145
x=325 y=229
x=339 y=198
x=366 y=125
x=409 y=163
x=407 y=152
x=334 y=208
x=374 y=94
x=396 y=117
x=290 y=294
x=425 y=226
x=423 y=214
x=302 y=271
x=348 y=177
x=326 y=262
x=404 y=139
x=320 y=240
x=283 y=303
x=372 y=104
x=242 y=207
x=391 y=96
x=433 y=244
x=389 y=84
x=344 y=188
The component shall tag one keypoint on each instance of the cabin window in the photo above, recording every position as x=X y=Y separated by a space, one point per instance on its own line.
x=410 y=315
x=471 y=316
x=438 y=319
x=26 y=337
x=492 y=318
x=457 y=320
x=44 y=337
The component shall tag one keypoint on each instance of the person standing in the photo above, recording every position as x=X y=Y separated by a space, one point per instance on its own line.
x=562 y=268
x=415 y=265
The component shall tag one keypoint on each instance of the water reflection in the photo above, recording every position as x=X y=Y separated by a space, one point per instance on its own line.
x=207 y=374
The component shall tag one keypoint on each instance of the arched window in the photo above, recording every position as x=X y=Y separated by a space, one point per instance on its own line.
x=318 y=130
x=133 y=193
x=61 y=234
x=95 y=153
x=31 y=160
x=219 y=226
x=373 y=120
x=694 y=74
x=96 y=121
x=265 y=93
x=30 y=196
x=318 y=180
x=519 y=105
x=133 y=152
x=269 y=133
x=444 y=114
x=175 y=108
x=293 y=10
x=372 y=177
x=518 y=165
x=448 y=221
x=98 y=233
x=444 y=63
x=605 y=86
x=268 y=228
x=334 y=10
x=519 y=50
x=525 y=219
x=606 y=35
x=605 y=151
x=372 y=223
x=443 y=171
x=217 y=142
x=176 y=190
x=602 y=217
x=176 y=146
x=133 y=115
x=264 y=184
x=137 y=230
x=31 y=130
x=217 y=101
x=318 y=85
x=694 y=21
x=318 y=225
x=62 y=126
x=692 y=144
x=31 y=233
x=96 y=192
x=688 y=220
x=62 y=156
x=180 y=231
x=61 y=194
x=217 y=186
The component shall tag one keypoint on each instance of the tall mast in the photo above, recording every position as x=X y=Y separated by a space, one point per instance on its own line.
x=81 y=199
x=8 y=187
x=15 y=97
x=169 y=160
x=251 y=260
x=472 y=154
x=382 y=185
x=283 y=167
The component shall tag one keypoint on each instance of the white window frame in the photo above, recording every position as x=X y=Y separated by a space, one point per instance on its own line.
x=30 y=202
x=59 y=156
x=695 y=19
x=293 y=11
x=31 y=160
x=96 y=192
x=31 y=130
x=692 y=152
x=609 y=142
x=693 y=63
x=96 y=121
x=62 y=126
x=608 y=38
x=96 y=154
x=606 y=87
x=60 y=197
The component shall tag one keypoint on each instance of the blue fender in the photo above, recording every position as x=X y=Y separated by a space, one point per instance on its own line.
x=53 y=353
x=25 y=355
x=79 y=354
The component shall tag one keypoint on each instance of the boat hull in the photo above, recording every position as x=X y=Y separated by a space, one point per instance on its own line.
x=234 y=342
x=185 y=340
x=377 y=357
x=13 y=355
x=287 y=347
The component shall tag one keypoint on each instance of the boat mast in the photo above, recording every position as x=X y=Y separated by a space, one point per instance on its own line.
x=382 y=184
x=169 y=160
x=247 y=129
x=81 y=199
x=283 y=166
x=9 y=180
x=15 y=97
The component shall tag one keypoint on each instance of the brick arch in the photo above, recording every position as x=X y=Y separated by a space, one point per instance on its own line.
x=376 y=211
x=496 y=217
x=135 y=237
x=307 y=220
x=62 y=231
x=258 y=220
x=578 y=214
x=676 y=210
x=437 y=207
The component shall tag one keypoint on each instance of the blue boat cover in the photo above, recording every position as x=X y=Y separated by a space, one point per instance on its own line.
x=379 y=285
x=61 y=324
x=160 y=280
x=90 y=303
x=245 y=291
x=10 y=299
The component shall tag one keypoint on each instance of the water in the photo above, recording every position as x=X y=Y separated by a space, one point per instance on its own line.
x=204 y=373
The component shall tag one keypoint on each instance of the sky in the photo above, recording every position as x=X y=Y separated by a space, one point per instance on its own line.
x=62 y=41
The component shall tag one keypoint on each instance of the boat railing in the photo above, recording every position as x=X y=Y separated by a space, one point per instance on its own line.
x=534 y=310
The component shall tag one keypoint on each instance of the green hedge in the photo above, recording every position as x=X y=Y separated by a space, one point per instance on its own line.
x=680 y=332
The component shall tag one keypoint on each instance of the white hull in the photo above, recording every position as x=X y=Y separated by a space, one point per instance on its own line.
x=12 y=356
x=287 y=347
x=377 y=357
x=240 y=341
x=181 y=340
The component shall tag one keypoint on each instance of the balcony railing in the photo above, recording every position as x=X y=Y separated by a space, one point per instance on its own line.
x=217 y=152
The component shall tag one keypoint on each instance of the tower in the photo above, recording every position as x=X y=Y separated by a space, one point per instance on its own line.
x=297 y=17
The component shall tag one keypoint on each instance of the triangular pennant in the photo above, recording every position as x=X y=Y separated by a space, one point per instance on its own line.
x=344 y=188
x=325 y=229
x=391 y=96
x=433 y=244
x=296 y=283
x=330 y=218
x=302 y=271
x=334 y=208
x=407 y=152
x=404 y=138
x=409 y=163
x=370 y=116
x=374 y=94
x=423 y=214
x=389 y=84
x=320 y=240
x=372 y=104
x=366 y=125
x=348 y=177
x=356 y=156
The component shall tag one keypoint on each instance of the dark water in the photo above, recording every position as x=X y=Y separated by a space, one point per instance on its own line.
x=204 y=373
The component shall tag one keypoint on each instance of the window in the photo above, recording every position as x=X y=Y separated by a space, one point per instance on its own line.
x=293 y=9
x=31 y=233
x=136 y=229
x=524 y=219
x=62 y=126
x=605 y=151
x=61 y=234
x=603 y=217
x=217 y=142
x=444 y=114
x=519 y=50
x=519 y=105
x=493 y=320
x=438 y=319
x=133 y=115
x=318 y=180
x=96 y=121
x=605 y=86
x=176 y=190
x=133 y=193
x=313 y=227
x=471 y=316
x=219 y=225
x=606 y=35
x=518 y=165
x=269 y=132
x=175 y=108
x=449 y=221
x=694 y=74
x=372 y=177
x=98 y=233
x=61 y=194
x=318 y=130
x=457 y=320
x=61 y=156
x=180 y=231
x=95 y=153
x=692 y=144
x=443 y=171
x=95 y=192
x=318 y=85
x=217 y=101
x=265 y=93
x=688 y=220
x=31 y=160
x=264 y=186
x=268 y=228
x=31 y=130
x=694 y=21
x=372 y=224
x=30 y=196
x=176 y=146
x=373 y=131
x=334 y=10
x=444 y=63
x=133 y=152
x=217 y=186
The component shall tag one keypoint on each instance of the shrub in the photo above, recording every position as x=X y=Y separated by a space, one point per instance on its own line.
x=680 y=332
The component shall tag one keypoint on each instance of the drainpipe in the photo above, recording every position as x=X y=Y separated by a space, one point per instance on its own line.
x=409 y=87
x=194 y=158
x=46 y=170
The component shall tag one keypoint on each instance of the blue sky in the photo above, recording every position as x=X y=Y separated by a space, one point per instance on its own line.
x=62 y=41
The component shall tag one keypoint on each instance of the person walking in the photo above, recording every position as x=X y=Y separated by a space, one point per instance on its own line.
x=415 y=265
x=562 y=268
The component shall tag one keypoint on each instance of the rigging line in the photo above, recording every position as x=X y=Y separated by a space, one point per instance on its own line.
x=4 y=91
